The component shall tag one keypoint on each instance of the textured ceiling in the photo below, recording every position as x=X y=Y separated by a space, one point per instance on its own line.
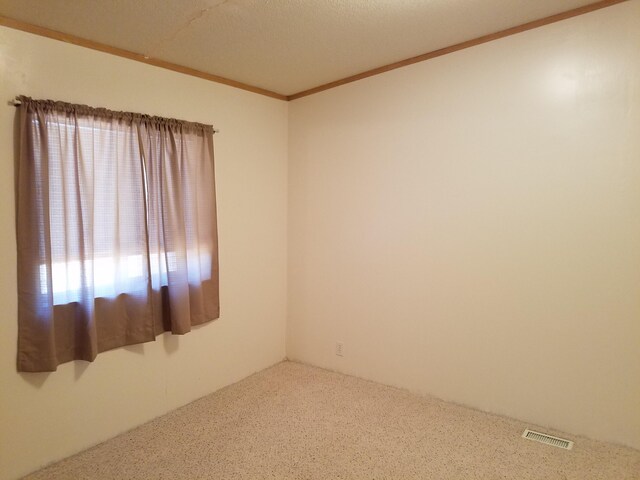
x=285 y=46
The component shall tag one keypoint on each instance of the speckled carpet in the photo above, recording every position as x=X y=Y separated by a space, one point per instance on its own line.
x=293 y=421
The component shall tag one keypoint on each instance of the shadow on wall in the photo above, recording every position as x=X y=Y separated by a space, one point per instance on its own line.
x=36 y=380
x=171 y=343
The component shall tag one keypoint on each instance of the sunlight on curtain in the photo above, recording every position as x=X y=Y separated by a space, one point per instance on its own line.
x=117 y=236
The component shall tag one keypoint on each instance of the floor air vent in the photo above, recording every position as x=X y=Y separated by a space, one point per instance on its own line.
x=548 y=439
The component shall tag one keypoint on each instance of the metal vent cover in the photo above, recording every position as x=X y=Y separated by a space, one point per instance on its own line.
x=547 y=439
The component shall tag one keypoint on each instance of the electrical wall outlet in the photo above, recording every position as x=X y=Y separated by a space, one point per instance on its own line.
x=340 y=349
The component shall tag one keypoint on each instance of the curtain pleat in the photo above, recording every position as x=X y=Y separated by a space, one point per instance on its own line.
x=116 y=230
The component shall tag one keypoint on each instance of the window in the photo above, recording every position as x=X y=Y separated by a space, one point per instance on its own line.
x=117 y=237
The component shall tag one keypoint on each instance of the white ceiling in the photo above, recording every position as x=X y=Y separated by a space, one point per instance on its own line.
x=285 y=46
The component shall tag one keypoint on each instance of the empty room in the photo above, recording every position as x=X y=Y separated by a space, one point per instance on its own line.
x=333 y=239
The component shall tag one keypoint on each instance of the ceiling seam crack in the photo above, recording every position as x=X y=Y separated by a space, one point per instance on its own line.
x=195 y=17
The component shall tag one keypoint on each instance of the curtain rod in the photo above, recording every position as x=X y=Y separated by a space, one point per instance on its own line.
x=16 y=103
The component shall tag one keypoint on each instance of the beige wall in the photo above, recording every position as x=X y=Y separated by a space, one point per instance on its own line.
x=44 y=417
x=469 y=226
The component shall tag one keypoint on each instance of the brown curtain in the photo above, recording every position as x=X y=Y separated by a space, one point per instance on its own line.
x=116 y=230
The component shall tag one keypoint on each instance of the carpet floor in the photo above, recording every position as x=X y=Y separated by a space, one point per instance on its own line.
x=293 y=421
